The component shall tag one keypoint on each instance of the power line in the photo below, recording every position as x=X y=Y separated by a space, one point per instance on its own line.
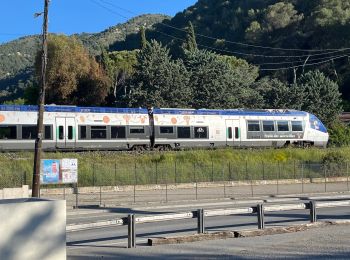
x=305 y=65
x=231 y=42
x=323 y=60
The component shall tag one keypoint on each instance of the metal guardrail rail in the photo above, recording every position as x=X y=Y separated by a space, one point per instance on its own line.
x=131 y=220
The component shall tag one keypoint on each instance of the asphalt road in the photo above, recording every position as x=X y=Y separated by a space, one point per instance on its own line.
x=324 y=243
x=111 y=242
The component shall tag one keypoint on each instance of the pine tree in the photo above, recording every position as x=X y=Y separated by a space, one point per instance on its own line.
x=191 y=42
x=158 y=80
x=143 y=38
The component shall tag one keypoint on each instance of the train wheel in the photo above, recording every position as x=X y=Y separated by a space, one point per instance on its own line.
x=137 y=148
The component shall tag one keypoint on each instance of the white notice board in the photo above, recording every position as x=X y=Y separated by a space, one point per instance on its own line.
x=69 y=170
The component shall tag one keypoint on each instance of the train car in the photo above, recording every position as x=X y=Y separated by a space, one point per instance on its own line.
x=92 y=128
x=74 y=128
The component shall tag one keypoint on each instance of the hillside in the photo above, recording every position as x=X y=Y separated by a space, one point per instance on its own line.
x=17 y=57
x=277 y=36
x=222 y=25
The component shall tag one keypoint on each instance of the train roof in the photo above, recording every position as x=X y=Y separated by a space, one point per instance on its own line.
x=173 y=111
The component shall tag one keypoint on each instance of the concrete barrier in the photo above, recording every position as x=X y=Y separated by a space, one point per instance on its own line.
x=15 y=193
x=32 y=229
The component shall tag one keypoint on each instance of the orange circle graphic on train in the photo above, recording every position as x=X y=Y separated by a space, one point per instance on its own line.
x=106 y=119
x=82 y=119
x=2 y=118
x=174 y=121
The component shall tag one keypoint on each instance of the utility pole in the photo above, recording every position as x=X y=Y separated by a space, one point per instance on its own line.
x=40 y=122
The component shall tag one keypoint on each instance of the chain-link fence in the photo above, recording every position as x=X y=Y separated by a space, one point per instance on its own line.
x=112 y=183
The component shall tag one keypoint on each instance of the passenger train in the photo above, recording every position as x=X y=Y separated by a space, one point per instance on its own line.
x=92 y=128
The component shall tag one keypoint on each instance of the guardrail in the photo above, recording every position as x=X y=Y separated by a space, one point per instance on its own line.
x=131 y=220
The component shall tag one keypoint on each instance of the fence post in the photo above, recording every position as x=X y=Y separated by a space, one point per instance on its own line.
x=261 y=216
x=135 y=182
x=195 y=179
x=64 y=193
x=295 y=174
x=131 y=231
x=229 y=171
x=76 y=190
x=175 y=176
x=251 y=184
x=25 y=177
x=115 y=174
x=166 y=187
x=347 y=175
x=200 y=221
x=302 y=177
x=325 y=178
x=93 y=174
x=263 y=170
x=223 y=179
x=313 y=216
x=278 y=176
x=100 y=195
x=156 y=172
x=246 y=170
x=212 y=170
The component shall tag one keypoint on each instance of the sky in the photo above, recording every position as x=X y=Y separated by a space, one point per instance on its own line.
x=77 y=16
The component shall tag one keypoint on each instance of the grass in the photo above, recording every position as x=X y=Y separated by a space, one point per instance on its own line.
x=122 y=168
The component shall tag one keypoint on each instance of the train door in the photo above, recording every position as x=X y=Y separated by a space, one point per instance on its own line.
x=233 y=132
x=65 y=132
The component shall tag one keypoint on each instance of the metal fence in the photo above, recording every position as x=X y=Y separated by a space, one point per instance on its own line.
x=111 y=183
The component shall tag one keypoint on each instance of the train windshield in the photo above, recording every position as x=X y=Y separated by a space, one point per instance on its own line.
x=316 y=124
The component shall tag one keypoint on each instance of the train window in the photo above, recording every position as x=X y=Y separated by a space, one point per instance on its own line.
x=98 y=132
x=118 y=132
x=8 y=132
x=268 y=126
x=60 y=132
x=82 y=132
x=70 y=132
x=297 y=126
x=47 y=132
x=183 y=132
x=253 y=126
x=282 y=126
x=229 y=132
x=137 y=130
x=201 y=132
x=29 y=132
x=166 y=130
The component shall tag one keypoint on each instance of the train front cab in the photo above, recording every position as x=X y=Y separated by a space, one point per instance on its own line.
x=317 y=132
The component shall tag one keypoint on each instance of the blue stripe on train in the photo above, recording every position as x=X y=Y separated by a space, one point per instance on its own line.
x=238 y=112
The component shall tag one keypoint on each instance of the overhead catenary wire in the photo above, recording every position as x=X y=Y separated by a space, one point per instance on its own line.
x=228 y=41
x=323 y=60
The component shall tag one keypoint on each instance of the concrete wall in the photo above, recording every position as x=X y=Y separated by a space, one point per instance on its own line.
x=15 y=193
x=32 y=229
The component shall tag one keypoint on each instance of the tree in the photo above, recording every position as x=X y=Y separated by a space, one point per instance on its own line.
x=317 y=94
x=69 y=65
x=158 y=80
x=217 y=83
x=143 y=38
x=120 y=68
x=191 y=42
x=332 y=12
x=274 y=93
x=281 y=15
